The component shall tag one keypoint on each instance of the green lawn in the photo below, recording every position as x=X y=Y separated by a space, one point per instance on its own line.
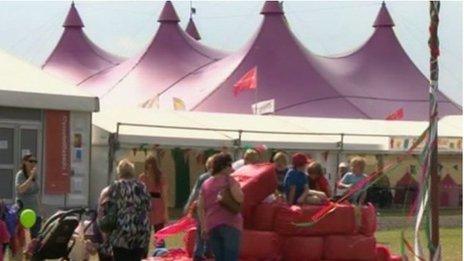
x=450 y=240
x=394 y=212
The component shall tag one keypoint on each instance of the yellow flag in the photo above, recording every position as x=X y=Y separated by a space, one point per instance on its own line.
x=178 y=104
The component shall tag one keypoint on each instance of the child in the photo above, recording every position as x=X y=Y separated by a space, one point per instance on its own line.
x=280 y=162
x=352 y=178
x=296 y=182
x=318 y=191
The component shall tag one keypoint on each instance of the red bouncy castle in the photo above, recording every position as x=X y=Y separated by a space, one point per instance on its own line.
x=270 y=234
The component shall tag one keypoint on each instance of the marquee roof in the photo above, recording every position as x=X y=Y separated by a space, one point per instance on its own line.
x=171 y=56
x=371 y=82
x=203 y=129
x=25 y=86
x=75 y=56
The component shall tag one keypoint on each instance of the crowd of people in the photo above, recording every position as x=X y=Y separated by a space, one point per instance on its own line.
x=301 y=182
x=133 y=207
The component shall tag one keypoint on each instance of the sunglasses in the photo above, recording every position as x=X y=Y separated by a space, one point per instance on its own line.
x=32 y=161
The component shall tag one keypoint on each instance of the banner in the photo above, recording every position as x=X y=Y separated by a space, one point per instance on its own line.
x=264 y=107
x=57 y=152
x=444 y=144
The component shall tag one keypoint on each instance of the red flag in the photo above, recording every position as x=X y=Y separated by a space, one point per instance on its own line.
x=396 y=115
x=249 y=81
x=181 y=225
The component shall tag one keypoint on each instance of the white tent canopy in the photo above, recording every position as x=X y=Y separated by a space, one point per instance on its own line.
x=199 y=129
x=26 y=86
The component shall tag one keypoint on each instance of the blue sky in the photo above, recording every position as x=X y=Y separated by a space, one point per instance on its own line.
x=30 y=30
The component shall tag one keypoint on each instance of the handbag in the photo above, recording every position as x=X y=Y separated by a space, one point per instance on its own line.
x=108 y=222
x=227 y=200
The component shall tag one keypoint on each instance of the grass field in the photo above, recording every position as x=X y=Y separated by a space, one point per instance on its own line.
x=394 y=212
x=450 y=240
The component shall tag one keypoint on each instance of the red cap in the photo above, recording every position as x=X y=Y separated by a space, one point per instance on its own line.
x=299 y=160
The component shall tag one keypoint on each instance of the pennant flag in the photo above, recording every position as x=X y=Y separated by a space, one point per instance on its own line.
x=264 y=107
x=193 y=10
x=326 y=155
x=153 y=102
x=178 y=104
x=406 y=143
x=249 y=81
x=182 y=225
x=396 y=115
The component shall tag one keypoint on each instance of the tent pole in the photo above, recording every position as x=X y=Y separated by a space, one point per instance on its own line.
x=339 y=152
x=434 y=9
x=113 y=145
x=238 y=144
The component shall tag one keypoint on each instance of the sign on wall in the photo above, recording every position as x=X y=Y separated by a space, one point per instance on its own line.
x=57 y=152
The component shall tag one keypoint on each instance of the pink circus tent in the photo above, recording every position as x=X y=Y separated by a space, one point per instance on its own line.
x=75 y=56
x=192 y=30
x=371 y=82
x=450 y=192
x=171 y=56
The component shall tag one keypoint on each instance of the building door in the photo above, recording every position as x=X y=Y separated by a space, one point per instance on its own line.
x=16 y=140
x=7 y=162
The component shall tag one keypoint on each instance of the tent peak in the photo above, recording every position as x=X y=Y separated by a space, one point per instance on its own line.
x=383 y=17
x=73 y=18
x=168 y=14
x=272 y=7
x=192 y=30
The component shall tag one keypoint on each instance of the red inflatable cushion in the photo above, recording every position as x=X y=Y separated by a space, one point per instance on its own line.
x=247 y=214
x=262 y=245
x=340 y=221
x=396 y=258
x=264 y=215
x=257 y=182
x=343 y=247
x=368 y=220
x=383 y=253
x=189 y=241
x=303 y=248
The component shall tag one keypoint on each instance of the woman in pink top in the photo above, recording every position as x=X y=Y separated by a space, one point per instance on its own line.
x=157 y=187
x=222 y=227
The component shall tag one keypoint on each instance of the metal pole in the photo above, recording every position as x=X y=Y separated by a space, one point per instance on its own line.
x=433 y=126
x=339 y=152
x=238 y=145
x=191 y=10
x=113 y=145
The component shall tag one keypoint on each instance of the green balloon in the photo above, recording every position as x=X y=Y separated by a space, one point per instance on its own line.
x=27 y=218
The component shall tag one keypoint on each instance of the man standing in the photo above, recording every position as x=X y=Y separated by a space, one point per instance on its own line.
x=201 y=247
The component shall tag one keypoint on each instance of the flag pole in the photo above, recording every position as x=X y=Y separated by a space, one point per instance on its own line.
x=191 y=14
x=433 y=127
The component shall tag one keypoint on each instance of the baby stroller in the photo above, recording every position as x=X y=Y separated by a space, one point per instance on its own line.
x=55 y=239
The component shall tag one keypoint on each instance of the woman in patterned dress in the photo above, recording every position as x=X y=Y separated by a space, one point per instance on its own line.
x=131 y=237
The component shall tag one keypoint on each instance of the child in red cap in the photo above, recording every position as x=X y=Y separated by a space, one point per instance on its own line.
x=296 y=182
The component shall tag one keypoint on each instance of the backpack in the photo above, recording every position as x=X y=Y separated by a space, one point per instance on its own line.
x=11 y=218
